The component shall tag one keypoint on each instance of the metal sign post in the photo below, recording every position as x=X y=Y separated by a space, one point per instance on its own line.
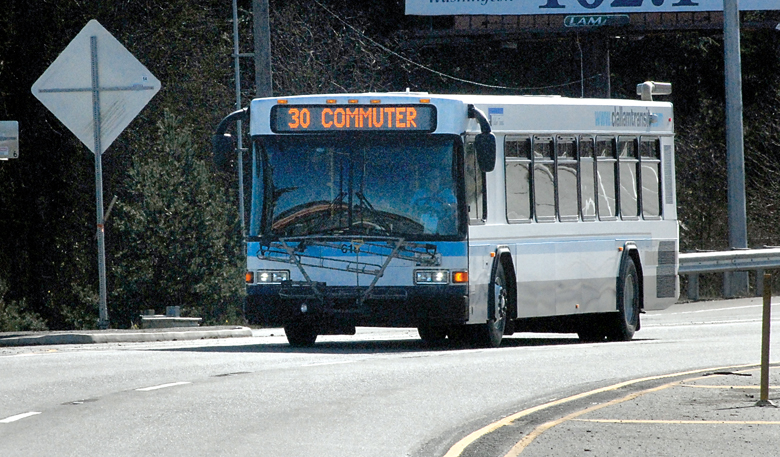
x=95 y=74
x=101 y=238
x=765 y=337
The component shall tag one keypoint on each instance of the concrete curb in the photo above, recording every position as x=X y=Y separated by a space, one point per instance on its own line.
x=124 y=336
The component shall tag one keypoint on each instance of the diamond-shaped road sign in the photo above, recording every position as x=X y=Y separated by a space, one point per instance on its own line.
x=95 y=77
x=96 y=88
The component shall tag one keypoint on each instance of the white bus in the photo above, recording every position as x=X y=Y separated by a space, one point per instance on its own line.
x=468 y=217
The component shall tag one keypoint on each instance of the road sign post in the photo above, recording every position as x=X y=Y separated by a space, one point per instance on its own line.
x=766 y=323
x=101 y=232
x=95 y=74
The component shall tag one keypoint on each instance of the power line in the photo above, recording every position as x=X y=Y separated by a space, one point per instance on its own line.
x=439 y=73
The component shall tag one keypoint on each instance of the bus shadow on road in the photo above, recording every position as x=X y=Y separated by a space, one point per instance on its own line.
x=378 y=346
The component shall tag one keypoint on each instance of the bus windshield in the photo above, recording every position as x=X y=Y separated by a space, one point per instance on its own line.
x=399 y=186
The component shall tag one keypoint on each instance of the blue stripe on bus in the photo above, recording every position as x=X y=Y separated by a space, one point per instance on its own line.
x=445 y=248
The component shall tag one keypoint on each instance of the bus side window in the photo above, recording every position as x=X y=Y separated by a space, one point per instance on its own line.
x=566 y=178
x=650 y=157
x=605 y=177
x=587 y=178
x=628 y=160
x=475 y=183
x=517 y=166
x=544 y=178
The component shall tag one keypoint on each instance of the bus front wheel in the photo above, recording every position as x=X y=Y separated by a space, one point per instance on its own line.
x=491 y=333
x=300 y=334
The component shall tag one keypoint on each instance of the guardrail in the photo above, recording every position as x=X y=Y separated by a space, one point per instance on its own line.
x=693 y=264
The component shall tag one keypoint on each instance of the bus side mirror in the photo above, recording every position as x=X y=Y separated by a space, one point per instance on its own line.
x=485 y=145
x=222 y=146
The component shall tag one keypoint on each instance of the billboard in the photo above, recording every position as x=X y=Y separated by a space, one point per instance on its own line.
x=537 y=7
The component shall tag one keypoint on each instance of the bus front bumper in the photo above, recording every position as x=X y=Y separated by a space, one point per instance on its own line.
x=277 y=305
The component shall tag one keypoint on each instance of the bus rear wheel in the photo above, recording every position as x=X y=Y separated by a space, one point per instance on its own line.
x=626 y=322
x=300 y=334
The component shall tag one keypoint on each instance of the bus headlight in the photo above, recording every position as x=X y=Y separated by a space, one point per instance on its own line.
x=431 y=276
x=269 y=276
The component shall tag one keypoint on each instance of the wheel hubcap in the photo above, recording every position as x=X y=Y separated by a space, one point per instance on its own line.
x=499 y=297
x=629 y=300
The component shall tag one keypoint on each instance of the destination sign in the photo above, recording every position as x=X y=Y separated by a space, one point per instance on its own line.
x=344 y=118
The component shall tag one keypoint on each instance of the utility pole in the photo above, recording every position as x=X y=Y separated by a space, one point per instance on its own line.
x=239 y=131
x=262 y=35
x=736 y=283
x=263 y=86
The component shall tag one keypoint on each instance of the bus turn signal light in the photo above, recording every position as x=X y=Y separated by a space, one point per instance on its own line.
x=460 y=276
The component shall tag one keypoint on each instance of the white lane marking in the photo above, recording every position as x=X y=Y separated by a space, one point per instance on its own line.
x=322 y=364
x=162 y=386
x=8 y=420
x=710 y=310
x=757 y=320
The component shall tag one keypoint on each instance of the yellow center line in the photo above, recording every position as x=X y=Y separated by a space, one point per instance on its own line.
x=702 y=386
x=457 y=449
x=678 y=422
x=529 y=438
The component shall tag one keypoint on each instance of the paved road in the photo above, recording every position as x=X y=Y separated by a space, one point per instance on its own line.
x=378 y=393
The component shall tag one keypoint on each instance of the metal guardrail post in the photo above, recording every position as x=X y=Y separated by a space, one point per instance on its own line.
x=760 y=282
x=693 y=286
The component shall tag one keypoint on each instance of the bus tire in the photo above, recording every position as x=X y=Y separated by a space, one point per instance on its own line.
x=300 y=334
x=491 y=333
x=626 y=322
x=432 y=335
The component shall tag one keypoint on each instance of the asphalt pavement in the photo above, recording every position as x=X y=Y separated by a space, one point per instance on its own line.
x=711 y=412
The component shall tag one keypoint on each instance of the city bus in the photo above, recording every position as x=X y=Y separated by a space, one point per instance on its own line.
x=467 y=217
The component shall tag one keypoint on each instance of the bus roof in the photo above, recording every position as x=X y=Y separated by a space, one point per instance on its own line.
x=506 y=113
